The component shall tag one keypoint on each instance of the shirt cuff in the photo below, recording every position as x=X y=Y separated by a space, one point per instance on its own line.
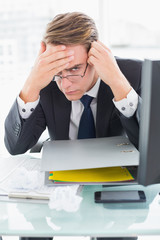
x=127 y=106
x=26 y=109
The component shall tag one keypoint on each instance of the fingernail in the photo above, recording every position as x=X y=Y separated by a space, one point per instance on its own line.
x=71 y=58
x=71 y=52
x=63 y=47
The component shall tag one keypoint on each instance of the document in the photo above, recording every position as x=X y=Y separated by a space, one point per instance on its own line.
x=96 y=175
x=15 y=182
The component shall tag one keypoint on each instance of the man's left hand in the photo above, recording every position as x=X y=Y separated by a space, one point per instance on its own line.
x=107 y=68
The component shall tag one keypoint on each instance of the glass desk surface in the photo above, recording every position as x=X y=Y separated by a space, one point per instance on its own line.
x=92 y=219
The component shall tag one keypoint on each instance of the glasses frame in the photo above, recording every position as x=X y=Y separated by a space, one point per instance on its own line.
x=67 y=76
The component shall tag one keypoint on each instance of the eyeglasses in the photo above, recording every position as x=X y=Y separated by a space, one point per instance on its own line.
x=71 y=77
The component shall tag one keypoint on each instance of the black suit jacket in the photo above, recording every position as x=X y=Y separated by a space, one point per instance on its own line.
x=53 y=111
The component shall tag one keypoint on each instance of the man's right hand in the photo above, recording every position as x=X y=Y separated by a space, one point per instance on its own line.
x=51 y=60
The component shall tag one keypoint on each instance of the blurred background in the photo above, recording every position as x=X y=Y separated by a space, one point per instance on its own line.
x=129 y=28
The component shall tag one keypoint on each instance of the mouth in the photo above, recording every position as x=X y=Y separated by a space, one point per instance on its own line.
x=71 y=92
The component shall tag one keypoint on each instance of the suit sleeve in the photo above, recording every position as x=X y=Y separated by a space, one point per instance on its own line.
x=22 y=134
x=132 y=71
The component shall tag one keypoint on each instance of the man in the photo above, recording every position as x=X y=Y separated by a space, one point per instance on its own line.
x=71 y=64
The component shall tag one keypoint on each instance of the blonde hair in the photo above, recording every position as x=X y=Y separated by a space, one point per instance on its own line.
x=71 y=29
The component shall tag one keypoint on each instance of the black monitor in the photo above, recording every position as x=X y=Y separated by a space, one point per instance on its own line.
x=149 y=145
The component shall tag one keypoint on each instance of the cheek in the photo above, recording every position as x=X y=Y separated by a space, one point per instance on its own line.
x=83 y=86
x=88 y=80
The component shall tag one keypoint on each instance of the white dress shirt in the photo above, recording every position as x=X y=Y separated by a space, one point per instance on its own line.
x=126 y=106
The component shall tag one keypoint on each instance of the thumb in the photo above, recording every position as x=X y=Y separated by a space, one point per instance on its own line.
x=42 y=48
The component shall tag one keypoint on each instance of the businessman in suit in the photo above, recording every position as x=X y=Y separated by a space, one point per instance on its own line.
x=76 y=88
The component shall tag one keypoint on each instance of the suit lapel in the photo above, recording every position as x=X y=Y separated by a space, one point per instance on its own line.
x=62 y=110
x=104 y=110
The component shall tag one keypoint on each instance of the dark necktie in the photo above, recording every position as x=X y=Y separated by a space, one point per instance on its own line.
x=86 y=126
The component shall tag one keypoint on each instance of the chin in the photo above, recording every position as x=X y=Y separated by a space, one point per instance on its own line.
x=73 y=97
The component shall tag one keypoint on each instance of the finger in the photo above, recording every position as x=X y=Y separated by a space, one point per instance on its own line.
x=60 y=63
x=94 y=52
x=53 y=60
x=58 y=55
x=89 y=62
x=56 y=47
x=100 y=47
x=51 y=49
x=92 y=60
x=105 y=47
x=59 y=69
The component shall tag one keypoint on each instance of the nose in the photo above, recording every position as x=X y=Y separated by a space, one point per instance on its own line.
x=65 y=83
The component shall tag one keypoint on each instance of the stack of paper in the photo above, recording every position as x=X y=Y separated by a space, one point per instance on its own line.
x=94 y=175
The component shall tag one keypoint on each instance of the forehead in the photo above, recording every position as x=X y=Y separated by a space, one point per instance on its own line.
x=80 y=54
x=77 y=48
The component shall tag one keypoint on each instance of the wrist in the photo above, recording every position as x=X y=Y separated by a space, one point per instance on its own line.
x=29 y=94
x=120 y=88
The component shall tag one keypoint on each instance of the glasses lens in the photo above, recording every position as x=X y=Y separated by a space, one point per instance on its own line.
x=70 y=77
x=56 y=78
x=74 y=78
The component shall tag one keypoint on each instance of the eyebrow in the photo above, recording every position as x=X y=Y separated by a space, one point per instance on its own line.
x=77 y=65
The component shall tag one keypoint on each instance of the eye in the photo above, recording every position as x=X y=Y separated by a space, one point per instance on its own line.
x=75 y=69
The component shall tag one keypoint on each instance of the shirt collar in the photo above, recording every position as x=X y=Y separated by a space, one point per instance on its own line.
x=93 y=92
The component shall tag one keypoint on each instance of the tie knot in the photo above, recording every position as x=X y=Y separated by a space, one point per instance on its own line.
x=86 y=100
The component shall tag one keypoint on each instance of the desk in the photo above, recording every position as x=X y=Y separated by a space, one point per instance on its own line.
x=131 y=219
